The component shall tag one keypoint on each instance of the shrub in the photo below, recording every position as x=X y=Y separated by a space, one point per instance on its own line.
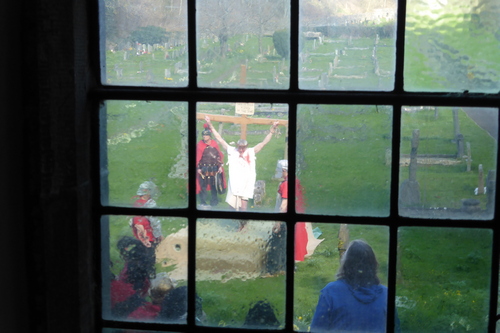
x=281 y=40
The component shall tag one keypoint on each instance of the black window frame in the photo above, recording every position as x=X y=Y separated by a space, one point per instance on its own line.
x=292 y=96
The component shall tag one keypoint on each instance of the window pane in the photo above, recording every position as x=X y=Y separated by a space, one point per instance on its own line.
x=144 y=154
x=443 y=279
x=448 y=162
x=315 y=275
x=144 y=43
x=452 y=45
x=244 y=179
x=144 y=268
x=243 y=44
x=240 y=272
x=343 y=159
x=347 y=45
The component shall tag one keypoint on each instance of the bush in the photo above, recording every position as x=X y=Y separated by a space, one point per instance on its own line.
x=281 y=40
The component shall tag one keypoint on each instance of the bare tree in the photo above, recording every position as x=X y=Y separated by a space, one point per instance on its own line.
x=219 y=18
x=266 y=16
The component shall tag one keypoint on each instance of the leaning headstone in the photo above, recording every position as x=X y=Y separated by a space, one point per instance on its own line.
x=167 y=72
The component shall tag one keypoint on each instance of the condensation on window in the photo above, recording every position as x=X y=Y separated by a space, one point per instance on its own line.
x=448 y=162
x=240 y=272
x=240 y=151
x=443 y=279
x=144 y=43
x=347 y=45
x=243 y=44
x=144 y=268
x=144 y=154
x=452 y=46
x=344 y=159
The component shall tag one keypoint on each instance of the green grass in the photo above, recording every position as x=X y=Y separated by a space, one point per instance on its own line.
x=341 y=154
x=443 y=274
x=446 y=186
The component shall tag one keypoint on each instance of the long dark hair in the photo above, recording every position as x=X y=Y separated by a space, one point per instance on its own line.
x=138 y=259
x=359 y=265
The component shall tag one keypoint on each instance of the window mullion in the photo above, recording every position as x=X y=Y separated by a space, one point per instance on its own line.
x=192 y=54
x=400 y=46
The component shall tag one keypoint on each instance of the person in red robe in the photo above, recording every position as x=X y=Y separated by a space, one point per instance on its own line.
x=300 y=227
x=210 y=173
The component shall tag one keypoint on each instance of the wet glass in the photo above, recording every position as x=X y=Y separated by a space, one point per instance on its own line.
x=245 y=179
x=144 y=154
x=243 y=44
x=443 y=279
x=144 y=268
x=240 y=272
x=452 y=46
x=347 y=45
x=325 y=244
x=448 y=162
x=344 y=159
x=144 y=43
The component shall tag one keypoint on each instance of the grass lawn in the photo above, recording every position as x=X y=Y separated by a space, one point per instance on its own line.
x=443 y=274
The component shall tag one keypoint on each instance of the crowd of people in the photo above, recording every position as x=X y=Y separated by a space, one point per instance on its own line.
x=355 y=302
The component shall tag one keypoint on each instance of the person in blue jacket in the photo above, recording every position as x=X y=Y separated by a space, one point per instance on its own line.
x=356 y=302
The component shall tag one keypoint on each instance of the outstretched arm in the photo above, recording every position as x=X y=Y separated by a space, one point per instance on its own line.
x=216 y=134
x=266 y=140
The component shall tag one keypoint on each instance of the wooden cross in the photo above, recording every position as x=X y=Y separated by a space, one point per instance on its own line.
x=243 y=120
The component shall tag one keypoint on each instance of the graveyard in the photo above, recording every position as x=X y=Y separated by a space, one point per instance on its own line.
x=443 y=275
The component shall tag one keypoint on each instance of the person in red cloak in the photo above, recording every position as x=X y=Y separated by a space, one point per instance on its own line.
x=300 y=227
x=210 y=173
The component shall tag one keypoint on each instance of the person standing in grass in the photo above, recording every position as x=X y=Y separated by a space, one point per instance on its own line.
x=242 y=174
x=282 y=205
x=147 y=229
x=209 y=161
x=356 y=302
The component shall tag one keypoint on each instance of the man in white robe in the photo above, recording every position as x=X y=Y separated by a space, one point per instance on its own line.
x=241 y=161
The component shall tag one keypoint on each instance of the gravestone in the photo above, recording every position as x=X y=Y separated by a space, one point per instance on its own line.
x=468 y=157
x=460 y=145
x=343 y=239
x=491 y=186
x=409 y=193
x=480 y=181
x=324 y=81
